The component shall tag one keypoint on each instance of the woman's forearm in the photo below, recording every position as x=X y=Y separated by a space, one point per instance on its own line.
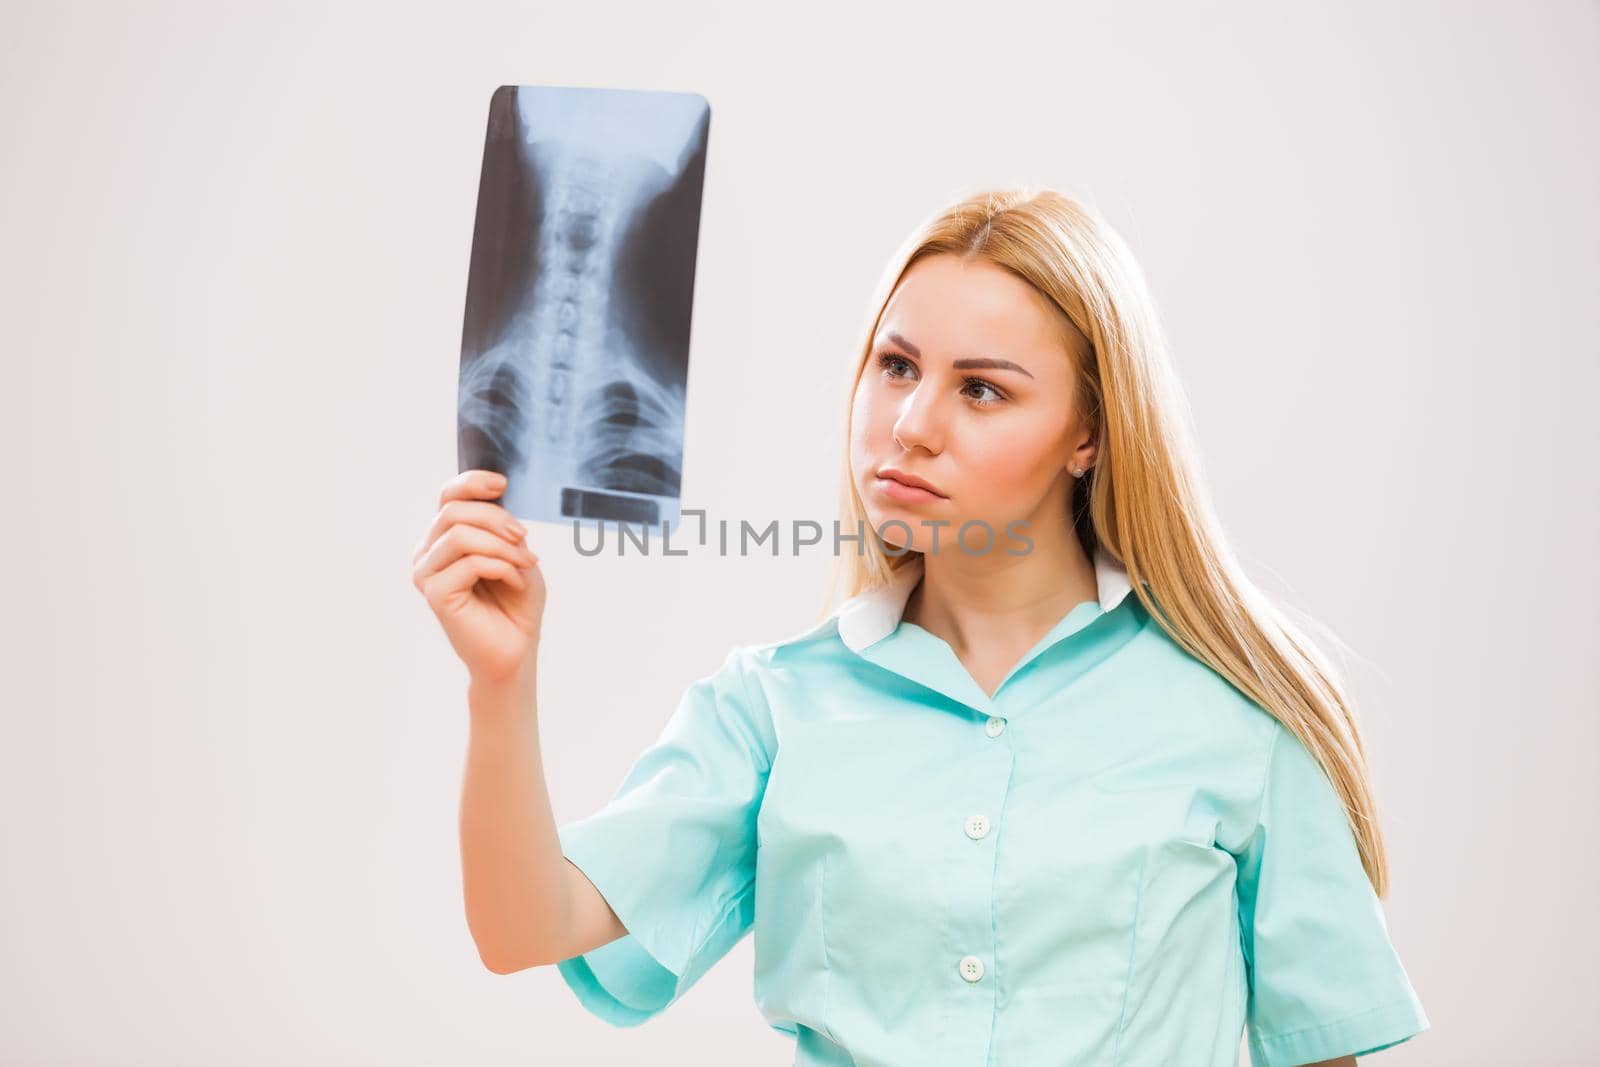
x=511 y=856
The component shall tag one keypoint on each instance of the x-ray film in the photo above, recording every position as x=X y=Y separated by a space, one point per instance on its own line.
x=575 y=349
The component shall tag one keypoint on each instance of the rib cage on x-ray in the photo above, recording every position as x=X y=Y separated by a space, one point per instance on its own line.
x=575 y=349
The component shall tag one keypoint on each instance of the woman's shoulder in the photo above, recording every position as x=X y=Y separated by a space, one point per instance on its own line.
x=1196 y=690
x=814 y=640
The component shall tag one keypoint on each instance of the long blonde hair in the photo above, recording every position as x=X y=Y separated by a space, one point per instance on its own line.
x=1143 y=499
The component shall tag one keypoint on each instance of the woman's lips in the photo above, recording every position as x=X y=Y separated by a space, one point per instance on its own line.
x=905 y=494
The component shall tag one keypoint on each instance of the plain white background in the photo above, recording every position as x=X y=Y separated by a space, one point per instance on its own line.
x=234 y=245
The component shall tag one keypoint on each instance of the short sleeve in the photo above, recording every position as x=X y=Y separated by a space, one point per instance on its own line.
x=674 y=851
x=1324 y=979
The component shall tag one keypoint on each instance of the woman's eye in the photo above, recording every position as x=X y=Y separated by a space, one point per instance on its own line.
x=995 y=395
x=889 y=362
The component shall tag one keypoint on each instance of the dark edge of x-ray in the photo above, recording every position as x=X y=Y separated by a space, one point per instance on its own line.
x=575 y=344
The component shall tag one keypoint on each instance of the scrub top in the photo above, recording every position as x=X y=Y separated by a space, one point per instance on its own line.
x=1116 y=859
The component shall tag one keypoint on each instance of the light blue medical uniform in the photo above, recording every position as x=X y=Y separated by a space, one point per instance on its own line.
x=1117 y=860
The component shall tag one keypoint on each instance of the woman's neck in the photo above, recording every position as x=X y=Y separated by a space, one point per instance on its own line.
x=990 y=604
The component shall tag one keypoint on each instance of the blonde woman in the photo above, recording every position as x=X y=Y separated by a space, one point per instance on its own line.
x=1055 y=784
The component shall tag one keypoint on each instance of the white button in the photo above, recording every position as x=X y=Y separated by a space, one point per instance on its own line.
x=994 y=726
x=971 y=968
x=977 y=826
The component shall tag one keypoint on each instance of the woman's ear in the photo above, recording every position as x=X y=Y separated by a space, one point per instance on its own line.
x=1083 y=457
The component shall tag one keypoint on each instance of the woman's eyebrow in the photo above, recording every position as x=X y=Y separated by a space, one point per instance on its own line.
x=964 y=363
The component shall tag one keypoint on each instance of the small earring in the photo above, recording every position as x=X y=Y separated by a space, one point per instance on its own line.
x=1077 y=472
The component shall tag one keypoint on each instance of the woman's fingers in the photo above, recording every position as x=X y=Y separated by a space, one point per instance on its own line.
x=457 y=579
x=473 y=485
x=462 y=501
x=462 y=539
x=478 y=575
x=491 y=518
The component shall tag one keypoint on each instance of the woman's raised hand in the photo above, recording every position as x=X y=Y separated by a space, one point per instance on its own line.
x=480 y=578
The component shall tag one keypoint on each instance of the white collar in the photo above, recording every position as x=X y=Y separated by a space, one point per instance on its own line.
x=873 y=614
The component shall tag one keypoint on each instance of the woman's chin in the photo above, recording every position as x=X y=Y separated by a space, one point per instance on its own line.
x=902 y=533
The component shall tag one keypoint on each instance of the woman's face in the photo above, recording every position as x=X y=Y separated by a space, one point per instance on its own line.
x=968 y=388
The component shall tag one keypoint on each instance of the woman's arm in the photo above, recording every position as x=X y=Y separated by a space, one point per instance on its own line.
x=1342 y=1061
x=527 y=905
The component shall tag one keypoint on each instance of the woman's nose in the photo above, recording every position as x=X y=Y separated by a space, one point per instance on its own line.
x=918 y=422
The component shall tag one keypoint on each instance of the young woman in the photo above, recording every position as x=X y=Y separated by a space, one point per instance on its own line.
x=1055 y=785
